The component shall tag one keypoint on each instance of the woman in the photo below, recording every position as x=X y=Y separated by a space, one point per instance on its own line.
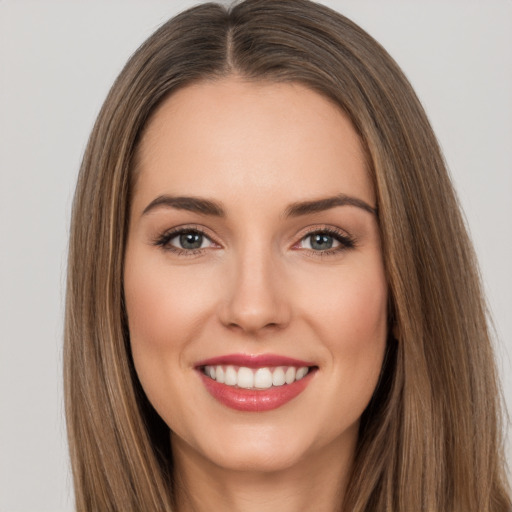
x=272 y=300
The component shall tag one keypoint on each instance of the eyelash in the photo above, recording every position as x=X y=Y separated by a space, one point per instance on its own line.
x=164 y=239
x=346 y=241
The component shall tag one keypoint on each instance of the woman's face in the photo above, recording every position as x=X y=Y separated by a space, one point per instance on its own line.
x=253 y=257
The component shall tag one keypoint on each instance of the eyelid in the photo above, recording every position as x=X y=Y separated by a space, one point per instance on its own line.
x=162 y=240
x=346 y=240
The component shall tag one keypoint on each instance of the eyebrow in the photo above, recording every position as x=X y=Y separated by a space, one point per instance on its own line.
x=191 y=204
x=213 y=208
x=320 y=205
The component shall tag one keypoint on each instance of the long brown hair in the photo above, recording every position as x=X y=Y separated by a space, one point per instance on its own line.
x=430 y=440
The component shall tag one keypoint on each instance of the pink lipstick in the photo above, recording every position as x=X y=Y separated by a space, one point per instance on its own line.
x=255 y=383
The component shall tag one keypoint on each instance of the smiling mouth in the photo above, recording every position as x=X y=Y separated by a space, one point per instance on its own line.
x=255 y=378
x=255 y=383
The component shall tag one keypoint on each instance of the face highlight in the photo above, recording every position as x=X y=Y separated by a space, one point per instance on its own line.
x=254 y=282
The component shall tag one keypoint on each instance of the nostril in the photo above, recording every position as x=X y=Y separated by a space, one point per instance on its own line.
x=265 y=317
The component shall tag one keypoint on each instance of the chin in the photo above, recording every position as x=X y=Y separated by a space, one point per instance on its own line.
x=257 y=459
x=246 y=450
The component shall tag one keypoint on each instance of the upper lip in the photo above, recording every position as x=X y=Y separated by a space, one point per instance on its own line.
x=253 y=361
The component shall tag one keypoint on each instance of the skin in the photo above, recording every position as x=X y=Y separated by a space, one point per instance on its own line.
x=255 y=287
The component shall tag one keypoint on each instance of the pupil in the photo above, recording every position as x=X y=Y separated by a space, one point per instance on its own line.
x=321 y=242
x=191 y=240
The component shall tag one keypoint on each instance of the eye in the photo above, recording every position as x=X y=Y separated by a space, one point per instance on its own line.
x=326 y=241
x=184 y=241
x=189 y=240
x=319 y=242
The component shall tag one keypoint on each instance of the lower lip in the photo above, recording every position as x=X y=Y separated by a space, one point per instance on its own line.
x=250 y=400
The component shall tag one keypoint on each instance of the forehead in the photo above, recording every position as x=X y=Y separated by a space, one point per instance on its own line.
x=231 y=137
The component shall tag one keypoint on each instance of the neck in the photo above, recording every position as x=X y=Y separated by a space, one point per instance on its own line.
x=317 y=483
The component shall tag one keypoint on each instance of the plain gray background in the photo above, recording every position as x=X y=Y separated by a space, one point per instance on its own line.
x=57 y=61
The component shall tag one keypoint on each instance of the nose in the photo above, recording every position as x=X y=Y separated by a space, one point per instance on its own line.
x=255 y=299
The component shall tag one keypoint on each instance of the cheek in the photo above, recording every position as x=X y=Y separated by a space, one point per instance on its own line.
x=164 y=304
x=151 y=310
x=363 y=320
x=349 y=304
x=155 y=315
x=351 y=321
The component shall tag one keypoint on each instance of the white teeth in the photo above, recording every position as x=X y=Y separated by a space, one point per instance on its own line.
x=301 y=372
x=278 y=377
x=245 y=378
x=231 y=377
x=261 y=378
x=220 y=376
x=289 y=375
